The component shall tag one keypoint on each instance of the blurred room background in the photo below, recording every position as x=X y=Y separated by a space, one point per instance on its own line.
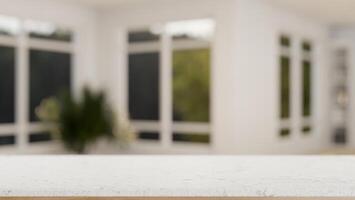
x=177 y=76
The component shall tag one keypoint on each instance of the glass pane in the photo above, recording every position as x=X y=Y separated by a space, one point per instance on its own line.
x=142 y=36
x=144 y=86
x=191 y=85
x=191 y=137
x=285 y=41
x=148 y=136
x=49 y=31
x=307 y=85
x=199 y=29
x=285 y=132
x=7 y=85
x=306 y=129
x=306 y=46
x=340 y=136
x=285 y=87
x=50 y=73
x=9 y=25
x=39 y=137
x=7 y=140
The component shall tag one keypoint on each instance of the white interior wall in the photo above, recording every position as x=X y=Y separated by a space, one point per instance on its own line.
x=256 y=118
x=245 y=89
x=245 y=74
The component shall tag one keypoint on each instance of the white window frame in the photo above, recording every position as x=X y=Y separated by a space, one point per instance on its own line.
x=165 y=126
x=307 y=121
x=296 y=121
x=285 y=124
x=22 y=127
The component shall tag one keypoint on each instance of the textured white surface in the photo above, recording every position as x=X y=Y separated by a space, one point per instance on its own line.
x=182 y=176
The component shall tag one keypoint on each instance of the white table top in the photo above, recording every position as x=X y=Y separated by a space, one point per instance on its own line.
x=177 y=176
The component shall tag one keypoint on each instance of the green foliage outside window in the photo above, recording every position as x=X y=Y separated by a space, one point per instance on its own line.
x=307 y=88
x=191 y=85
x=285 y=87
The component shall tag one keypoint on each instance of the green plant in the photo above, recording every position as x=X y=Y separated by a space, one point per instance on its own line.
x=79 y=123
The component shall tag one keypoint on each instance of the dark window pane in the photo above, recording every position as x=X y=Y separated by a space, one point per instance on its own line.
x=306 y=129
x=191 y=85
x=7 y=85
x=340 y=135
x=144 y=86
x=285 y=87
x=142 y=36
x=285 y=41
x=50 y=73
x=7 y=140
x=306 y=46
x=148 y=136
x=191 y=137
x=48 y=31
x=285 y=132
x=39 y=137
x=307 y=85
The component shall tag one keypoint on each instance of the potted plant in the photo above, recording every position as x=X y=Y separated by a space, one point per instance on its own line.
x=80 y=122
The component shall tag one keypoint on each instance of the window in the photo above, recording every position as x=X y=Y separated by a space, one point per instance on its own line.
x=9 y=29
x=298 y=96
x=49 y=75
x=32 y=68
x=144 y=82
x=144 y=86
x=48 y=31
x=192 y=137
x=183 y=94
x=285 y=132
x=191 y=79
x=143 y=36
x=39 y=137
x=7 y=140
x=285 y=85
x=306 y=80
x=149 y=136
x=191 y=63
x=306 y=49
x=49 y=70
x=7 y=84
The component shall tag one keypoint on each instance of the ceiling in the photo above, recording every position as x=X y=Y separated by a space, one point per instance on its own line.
x=330 y=11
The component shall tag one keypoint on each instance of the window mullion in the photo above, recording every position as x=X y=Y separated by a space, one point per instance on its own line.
x=166 y=90
x=22 y=90
x=296 y=87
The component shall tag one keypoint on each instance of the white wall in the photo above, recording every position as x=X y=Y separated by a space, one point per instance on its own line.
x=256 y=116
x=245 y=73
x=245 y=66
